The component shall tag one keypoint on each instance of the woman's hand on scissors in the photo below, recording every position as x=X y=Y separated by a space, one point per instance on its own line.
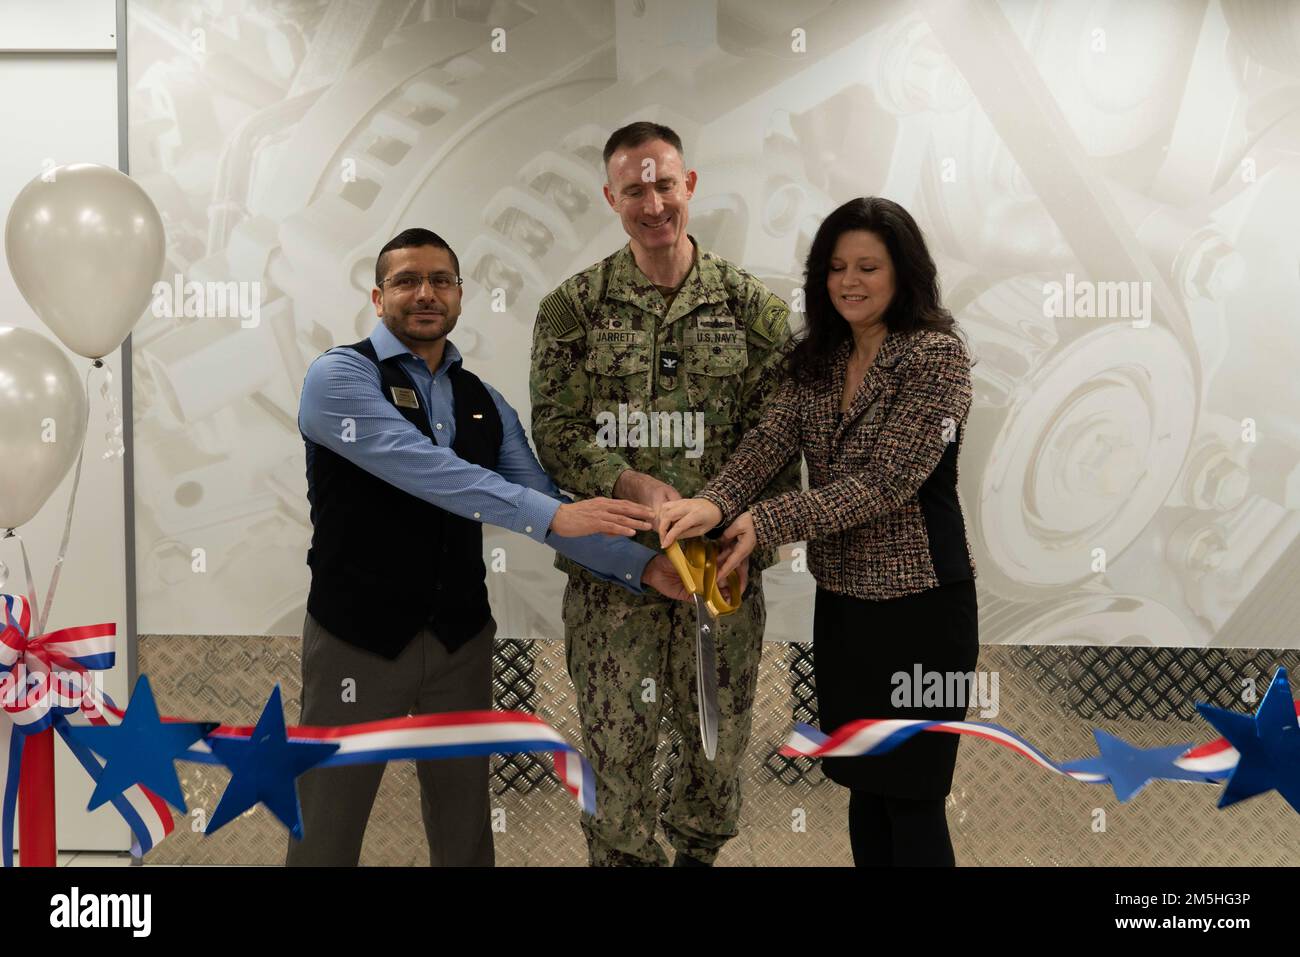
x=738 y=542
x=686 y=518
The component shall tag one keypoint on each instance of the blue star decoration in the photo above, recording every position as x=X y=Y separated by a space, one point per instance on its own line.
x=1130 y=769
x=140 y=750
x=263 y=769
x=1268 y=743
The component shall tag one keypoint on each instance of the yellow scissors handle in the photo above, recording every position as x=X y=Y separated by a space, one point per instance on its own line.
x=696 y=564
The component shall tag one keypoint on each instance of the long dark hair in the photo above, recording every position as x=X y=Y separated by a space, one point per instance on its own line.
x=915 y=304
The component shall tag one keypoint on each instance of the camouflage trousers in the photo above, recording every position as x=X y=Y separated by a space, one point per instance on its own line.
x=630 y=658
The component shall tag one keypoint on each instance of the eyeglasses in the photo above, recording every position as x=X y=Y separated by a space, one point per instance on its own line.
x=410 y=282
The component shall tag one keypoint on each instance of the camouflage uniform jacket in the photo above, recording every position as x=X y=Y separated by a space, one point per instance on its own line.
x=620 y=380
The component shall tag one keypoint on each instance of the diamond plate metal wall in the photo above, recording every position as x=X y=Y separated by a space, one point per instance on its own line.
x=1003 y=810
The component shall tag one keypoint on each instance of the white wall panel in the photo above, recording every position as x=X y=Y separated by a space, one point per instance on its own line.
x=58 y=25
x=58 y=110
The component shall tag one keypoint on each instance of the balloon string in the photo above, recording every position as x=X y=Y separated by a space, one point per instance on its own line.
x=27 y=567
x=67 y=521
x=116 y=447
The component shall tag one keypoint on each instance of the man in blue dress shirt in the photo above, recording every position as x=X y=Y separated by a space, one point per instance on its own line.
x=408 y=453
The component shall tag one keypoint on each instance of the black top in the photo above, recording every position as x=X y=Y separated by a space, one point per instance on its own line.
x=385 y=564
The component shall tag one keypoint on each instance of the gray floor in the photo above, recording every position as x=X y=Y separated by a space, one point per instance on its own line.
x=1003 y=810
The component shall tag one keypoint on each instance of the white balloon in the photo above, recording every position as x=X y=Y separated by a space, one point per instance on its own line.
x=42 y=422
x=85 y=245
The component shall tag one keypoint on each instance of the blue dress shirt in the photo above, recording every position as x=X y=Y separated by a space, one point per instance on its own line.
x=343 y=408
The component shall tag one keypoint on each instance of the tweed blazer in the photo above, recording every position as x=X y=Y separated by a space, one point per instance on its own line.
x=881 y=514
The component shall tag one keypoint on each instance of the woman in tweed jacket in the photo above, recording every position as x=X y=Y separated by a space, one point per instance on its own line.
x=876 y=400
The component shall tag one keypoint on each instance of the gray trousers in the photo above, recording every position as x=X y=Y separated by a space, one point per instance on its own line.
x=424 y=679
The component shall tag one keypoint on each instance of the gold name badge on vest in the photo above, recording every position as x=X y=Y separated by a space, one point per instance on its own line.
x=404 y=398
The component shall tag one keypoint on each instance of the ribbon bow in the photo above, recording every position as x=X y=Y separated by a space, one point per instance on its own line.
x=44 y=680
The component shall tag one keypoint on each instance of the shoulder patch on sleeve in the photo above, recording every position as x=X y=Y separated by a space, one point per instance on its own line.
x=772 y=320
x=560 y=315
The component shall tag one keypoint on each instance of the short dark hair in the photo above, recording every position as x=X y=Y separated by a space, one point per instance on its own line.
x=916 y=303
x=408 y=239
x=643 y=131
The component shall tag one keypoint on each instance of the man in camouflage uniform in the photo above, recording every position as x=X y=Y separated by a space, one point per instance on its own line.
x=629 y=358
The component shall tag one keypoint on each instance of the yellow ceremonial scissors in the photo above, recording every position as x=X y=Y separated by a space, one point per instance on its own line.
x=696 y=562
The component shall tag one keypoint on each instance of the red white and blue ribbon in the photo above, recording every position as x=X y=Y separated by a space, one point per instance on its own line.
x=1214 y=761
x=879 y=736
x=47 y=681
x=424 y=737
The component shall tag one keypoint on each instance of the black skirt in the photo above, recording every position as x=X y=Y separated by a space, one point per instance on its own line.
x=860 y=646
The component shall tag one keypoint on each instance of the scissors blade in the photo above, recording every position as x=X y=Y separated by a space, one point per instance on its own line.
x=706 y=675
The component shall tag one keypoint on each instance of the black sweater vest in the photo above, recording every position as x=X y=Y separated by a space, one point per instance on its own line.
x=385 y=564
